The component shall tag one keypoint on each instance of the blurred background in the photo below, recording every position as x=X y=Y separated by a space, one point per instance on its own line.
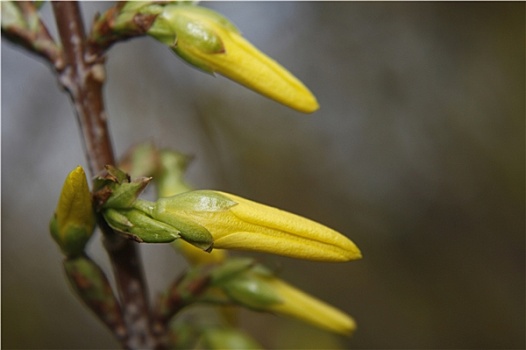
x=417 y=155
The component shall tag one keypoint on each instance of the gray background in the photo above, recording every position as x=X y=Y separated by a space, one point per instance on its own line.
x=417 y=154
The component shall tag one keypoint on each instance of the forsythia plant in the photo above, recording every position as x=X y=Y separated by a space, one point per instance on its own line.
x=202 y=225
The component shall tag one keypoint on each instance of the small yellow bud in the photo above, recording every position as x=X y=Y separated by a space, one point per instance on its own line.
x=207 y=40
x=302 y=306
x=237 y=223
x=257 y=288
x=74 y=220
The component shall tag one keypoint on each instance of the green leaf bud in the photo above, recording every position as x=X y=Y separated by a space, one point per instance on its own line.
x=91 y=285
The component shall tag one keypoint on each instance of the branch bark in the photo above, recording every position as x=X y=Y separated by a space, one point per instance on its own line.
x=83 y=77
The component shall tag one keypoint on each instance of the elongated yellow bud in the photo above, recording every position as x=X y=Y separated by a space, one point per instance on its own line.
x=207 y=40
x=305 y=307
x=238 y=223
x=256 y=287
x=74 y=221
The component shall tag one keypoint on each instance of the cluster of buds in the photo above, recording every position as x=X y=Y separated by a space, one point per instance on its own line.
x=201 y=224
x=211 y=219
x=71 y=227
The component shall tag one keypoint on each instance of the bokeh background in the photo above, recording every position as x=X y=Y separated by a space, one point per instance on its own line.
x=417 y=154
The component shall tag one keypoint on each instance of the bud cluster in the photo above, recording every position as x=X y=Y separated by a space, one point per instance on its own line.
x=200 y=220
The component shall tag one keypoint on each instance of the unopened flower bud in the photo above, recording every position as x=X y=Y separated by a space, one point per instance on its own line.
x=237 y=223
x=259 y=289
x=74 y=221
x=209 y=41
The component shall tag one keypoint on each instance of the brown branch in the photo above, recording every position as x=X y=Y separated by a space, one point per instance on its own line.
x=33 y=35
x=180 y=294
x=83 y=78
x=104 y=34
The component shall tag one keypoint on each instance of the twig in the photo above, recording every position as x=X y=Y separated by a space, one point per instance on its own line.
x=33 y=35
x=83 y=78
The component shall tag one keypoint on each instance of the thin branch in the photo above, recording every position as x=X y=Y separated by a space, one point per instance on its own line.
x=32 y=34
x=83 y=78
x=104 y=34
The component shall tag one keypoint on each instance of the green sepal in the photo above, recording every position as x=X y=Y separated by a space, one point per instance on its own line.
x=139 y=226
x=217 y=338
x=252 y=291
x=193 y=61
x=117 y=175
x=169 y=210
x=183 y=333
x=123 y=195
x=203 y=14
x=190 y=24
x=75 y=240
x=245 y=282
x=135 y=6
x=190 y=231
x=194 y=201
x=188 y=28
x=230 y=269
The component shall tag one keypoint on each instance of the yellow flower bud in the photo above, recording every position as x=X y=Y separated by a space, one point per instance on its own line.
x=305 y=307
x=209 y=41
x=196 y=256
x=74 y=220
x=257 y=288
x=237 y=223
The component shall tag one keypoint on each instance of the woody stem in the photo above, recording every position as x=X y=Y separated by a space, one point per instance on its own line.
x=83 y=77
